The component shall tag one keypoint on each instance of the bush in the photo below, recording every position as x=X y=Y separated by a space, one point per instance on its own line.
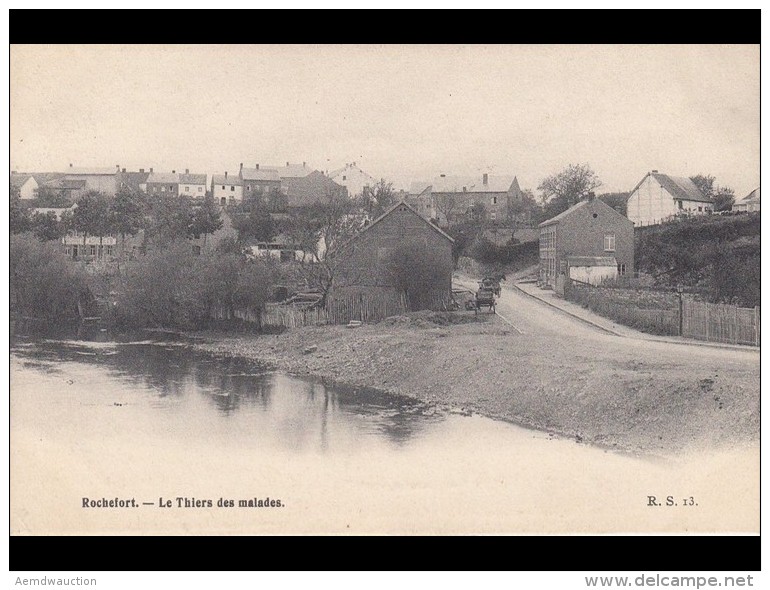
x=44 y=283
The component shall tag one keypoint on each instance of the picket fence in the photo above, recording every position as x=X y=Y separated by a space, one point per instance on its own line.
x=716 y=322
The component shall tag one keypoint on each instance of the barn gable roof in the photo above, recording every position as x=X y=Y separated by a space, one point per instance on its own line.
x=678 y=187
x=388 y=212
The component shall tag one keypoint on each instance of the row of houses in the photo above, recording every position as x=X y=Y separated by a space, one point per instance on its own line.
x=292 y=184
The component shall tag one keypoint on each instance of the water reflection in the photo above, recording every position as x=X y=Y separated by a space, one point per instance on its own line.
x=170 y=387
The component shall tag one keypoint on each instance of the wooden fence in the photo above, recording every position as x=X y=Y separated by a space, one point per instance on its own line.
x=720 y=323
x=340 y=308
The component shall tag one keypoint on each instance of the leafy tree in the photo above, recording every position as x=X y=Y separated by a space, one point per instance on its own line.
x=723 y=197
x=44 y=284
x=170 y=219
x=19 y=219
x=47 y=227
x=92 y=215
x=618 y=201
x=561 y=191
x=127 y=213
x=252 y=223
x=50 y=197
x=207 y=218
x=377 y=199
x=417 y=272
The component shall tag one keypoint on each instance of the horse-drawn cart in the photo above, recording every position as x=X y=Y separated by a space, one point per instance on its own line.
x=485 y=298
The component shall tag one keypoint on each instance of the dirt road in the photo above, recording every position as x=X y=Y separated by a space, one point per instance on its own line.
x=544 y=369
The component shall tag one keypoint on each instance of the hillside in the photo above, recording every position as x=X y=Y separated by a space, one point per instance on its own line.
x=716 y=255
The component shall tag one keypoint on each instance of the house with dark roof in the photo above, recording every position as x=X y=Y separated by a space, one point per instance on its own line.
x=310 y=189
x=660 y=197
x=259 y=183
x=163 y=183
x=68 y=188
x=588 y=242
x=749 y=203
x=451 y=199
x=363 y=265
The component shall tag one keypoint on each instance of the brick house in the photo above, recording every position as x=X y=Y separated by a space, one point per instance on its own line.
x=452 y=199
x=362 y=265
x=163 y=183
x=586 y=235
x=659 y=197
x=259 y=183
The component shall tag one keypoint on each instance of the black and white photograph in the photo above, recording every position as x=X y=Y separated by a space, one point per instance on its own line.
x=368 y=289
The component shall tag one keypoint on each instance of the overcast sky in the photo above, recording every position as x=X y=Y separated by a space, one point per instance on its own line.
x=402 y=112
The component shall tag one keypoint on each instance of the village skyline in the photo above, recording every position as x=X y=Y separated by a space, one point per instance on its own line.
x=403 y=113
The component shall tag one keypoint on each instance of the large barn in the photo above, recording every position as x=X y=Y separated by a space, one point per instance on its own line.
x=399 y=252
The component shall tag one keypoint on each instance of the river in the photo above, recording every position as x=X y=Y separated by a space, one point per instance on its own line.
x=172 y=437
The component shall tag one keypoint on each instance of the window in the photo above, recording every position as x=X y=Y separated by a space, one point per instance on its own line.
x=492 y=215
x=621 y=269
x=187 y=189
x=223 y=201
x=679 y=205
x=196 y=250
x=248 y=187
x=494 y=200
x=232 y=188
x=700 y=209
x=170 y=189
x=344 y=178
x=109 y=250
x=609 y=243
x=163 y=189
x=223 y=187
x=200 y=189
x=92 y=251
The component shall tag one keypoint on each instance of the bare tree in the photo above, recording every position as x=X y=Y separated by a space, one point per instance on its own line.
x=446 y=204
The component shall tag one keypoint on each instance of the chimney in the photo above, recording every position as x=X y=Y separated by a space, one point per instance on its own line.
x=241 y=166
x=70 y=165
x=485 y=179
x=443 y=176
x=654 y=171
x=287 y=164
x=303 y=164
x=123 y=171
x=118 y=167
x=150 y=170
x=225 y=174
x=173 y=172
x=187 y=171
x=141 y=170
x=257 y=166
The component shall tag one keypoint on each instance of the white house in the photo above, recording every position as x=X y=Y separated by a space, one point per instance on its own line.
x=659 y=197
x=192 y=185
x=227 y=189
x=352 y=178
x=748 y=203
x=24 y=185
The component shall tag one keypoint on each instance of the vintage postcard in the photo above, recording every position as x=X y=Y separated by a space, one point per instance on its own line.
x=402 y=289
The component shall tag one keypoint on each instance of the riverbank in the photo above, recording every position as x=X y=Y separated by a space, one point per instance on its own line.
x=616 y=397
